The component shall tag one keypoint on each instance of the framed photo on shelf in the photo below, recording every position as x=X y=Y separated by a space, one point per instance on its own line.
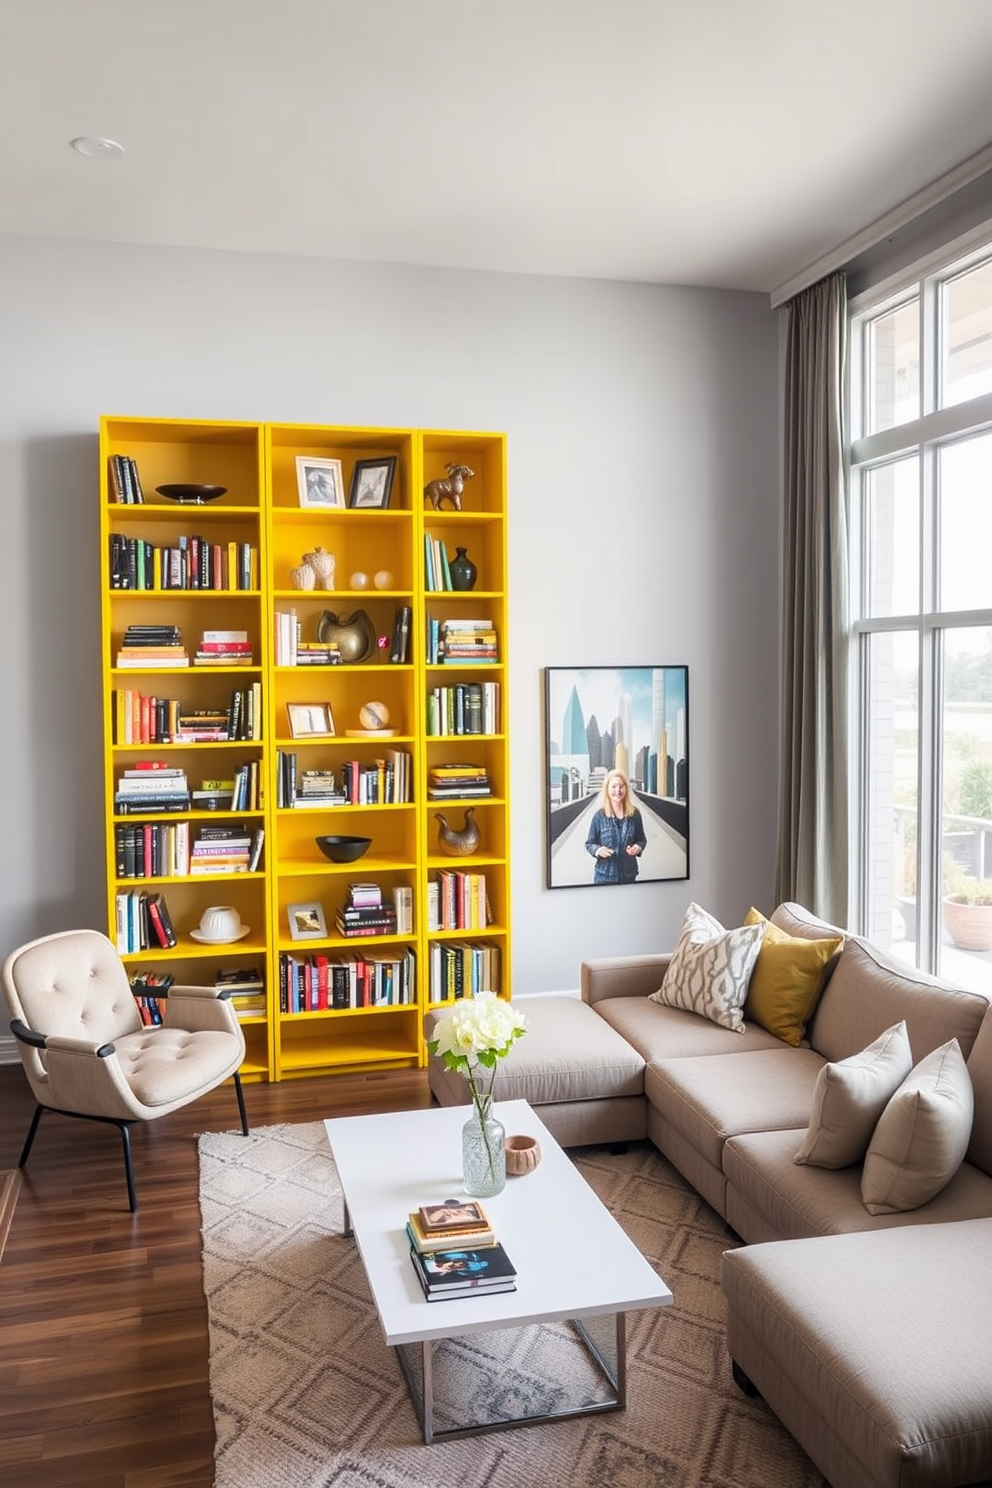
x=372 y=481
x=306 y=921
x=320 y=482
x=310 y=720
x=616 y=774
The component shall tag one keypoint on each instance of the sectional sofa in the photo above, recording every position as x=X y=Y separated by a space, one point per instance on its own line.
x=829 y=1136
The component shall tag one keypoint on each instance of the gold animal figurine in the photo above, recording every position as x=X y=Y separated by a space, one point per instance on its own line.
x=458 y=842
x=437 y=492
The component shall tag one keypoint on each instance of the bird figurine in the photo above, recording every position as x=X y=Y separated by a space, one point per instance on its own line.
x=458 y=841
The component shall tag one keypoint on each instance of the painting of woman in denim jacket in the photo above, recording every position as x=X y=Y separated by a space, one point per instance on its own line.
x=616 y=834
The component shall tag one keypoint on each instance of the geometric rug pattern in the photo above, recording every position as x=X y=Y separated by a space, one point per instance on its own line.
x=307 y=1395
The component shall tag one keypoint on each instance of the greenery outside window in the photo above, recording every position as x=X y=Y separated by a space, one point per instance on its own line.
x=921 y=503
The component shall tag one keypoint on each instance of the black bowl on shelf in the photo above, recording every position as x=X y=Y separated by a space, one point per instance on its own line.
x=188 y=495
x=343 y=849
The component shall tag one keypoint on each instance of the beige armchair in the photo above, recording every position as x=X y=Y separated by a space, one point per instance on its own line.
x=86 y=1051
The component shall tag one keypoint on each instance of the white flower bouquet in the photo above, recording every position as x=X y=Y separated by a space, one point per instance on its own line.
x=472 y=1037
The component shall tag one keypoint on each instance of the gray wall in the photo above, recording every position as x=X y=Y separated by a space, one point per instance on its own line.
x=644 y=524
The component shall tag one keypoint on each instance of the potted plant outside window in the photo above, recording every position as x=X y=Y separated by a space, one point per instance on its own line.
x=968 y=914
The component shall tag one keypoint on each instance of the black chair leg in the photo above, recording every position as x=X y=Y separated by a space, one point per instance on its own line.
x=241 y=1102
x=128 y=1167
x=36 y=1118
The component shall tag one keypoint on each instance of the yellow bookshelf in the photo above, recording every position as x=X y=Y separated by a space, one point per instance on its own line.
x=289 y=492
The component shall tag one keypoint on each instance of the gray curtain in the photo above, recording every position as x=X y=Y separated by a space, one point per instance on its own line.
x=813 y=817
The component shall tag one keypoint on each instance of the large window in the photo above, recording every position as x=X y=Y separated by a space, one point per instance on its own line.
x=921 y=487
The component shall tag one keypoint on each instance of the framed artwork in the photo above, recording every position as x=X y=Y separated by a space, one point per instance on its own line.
x=372 y=482
x=310 y=720
x=617 y=774
x=306 y=921
x=320 y=482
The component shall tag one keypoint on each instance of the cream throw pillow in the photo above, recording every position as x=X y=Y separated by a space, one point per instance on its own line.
x=710 y=969
x=848 y=1098
x=922 y=1135
x=787 y=980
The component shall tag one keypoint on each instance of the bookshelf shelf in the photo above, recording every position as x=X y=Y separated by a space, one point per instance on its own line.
x=261 y=527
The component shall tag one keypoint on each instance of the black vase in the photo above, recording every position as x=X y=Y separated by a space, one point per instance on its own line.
x=463 y=570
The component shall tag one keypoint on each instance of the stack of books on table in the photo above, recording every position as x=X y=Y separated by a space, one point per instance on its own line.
x=455 y=1252
x=365 y=913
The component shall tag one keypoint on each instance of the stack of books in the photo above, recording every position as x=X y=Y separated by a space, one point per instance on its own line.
x=145 y=646
x=224 y=648
x=399 y=650
x=469 y=641
x=220 y=849
x=317 y=653
x=246 y=987
x=452 y=782
x=151 y=787
x=125 y=482
x=365 y=913
x=318 y=788
x=455 y=1252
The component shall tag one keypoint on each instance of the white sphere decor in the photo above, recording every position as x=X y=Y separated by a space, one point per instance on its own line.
x=359 y=580
x=383 y=579
x=373 y=715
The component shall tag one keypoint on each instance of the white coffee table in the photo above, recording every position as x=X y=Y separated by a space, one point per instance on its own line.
x=574 y=1262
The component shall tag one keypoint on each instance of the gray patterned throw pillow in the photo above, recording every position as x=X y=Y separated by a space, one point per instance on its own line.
x=710 y=969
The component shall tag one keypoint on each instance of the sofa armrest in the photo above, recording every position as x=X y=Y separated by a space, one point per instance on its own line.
x=623 y=976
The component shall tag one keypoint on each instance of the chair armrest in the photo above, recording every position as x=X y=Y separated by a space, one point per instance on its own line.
x=623 y=976
x=56 y=1041
x=198 y=1008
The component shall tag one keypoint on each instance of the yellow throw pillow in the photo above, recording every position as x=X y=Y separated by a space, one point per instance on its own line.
x=787 y=979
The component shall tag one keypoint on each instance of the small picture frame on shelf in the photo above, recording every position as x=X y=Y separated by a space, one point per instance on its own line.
x=307 y=922
x=310 y=720
x=320 y=482
x=371 y=482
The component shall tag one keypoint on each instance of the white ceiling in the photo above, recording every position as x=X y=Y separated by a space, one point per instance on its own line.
x=711 y=142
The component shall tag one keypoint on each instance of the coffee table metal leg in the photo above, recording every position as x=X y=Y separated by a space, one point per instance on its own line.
x=616 y=1374
x=422 y=1390
x=427 y=1404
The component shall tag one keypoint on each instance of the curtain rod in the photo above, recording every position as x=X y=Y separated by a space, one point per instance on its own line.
x=884 y=227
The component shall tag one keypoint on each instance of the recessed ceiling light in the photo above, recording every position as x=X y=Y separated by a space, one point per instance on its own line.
x=95 y=148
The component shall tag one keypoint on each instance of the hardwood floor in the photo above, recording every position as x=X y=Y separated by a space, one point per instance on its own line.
x=103 y=1327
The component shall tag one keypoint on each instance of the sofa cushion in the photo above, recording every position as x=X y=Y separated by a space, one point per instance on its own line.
x=869 y=991
x=710 y=968
x=922 y=1135
x=659 y=1032
x=769 y=1197
x=787 y=979
x=569 y=1054
x=709 y=1100
x=850 y=1096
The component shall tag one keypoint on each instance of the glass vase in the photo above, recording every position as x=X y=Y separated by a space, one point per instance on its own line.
x=483 y=1152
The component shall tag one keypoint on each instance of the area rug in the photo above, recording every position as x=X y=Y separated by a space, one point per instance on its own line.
x=307 y=1395
x=10 y=1187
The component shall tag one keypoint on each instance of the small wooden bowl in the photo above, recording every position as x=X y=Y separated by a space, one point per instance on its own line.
x=522 y=1155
